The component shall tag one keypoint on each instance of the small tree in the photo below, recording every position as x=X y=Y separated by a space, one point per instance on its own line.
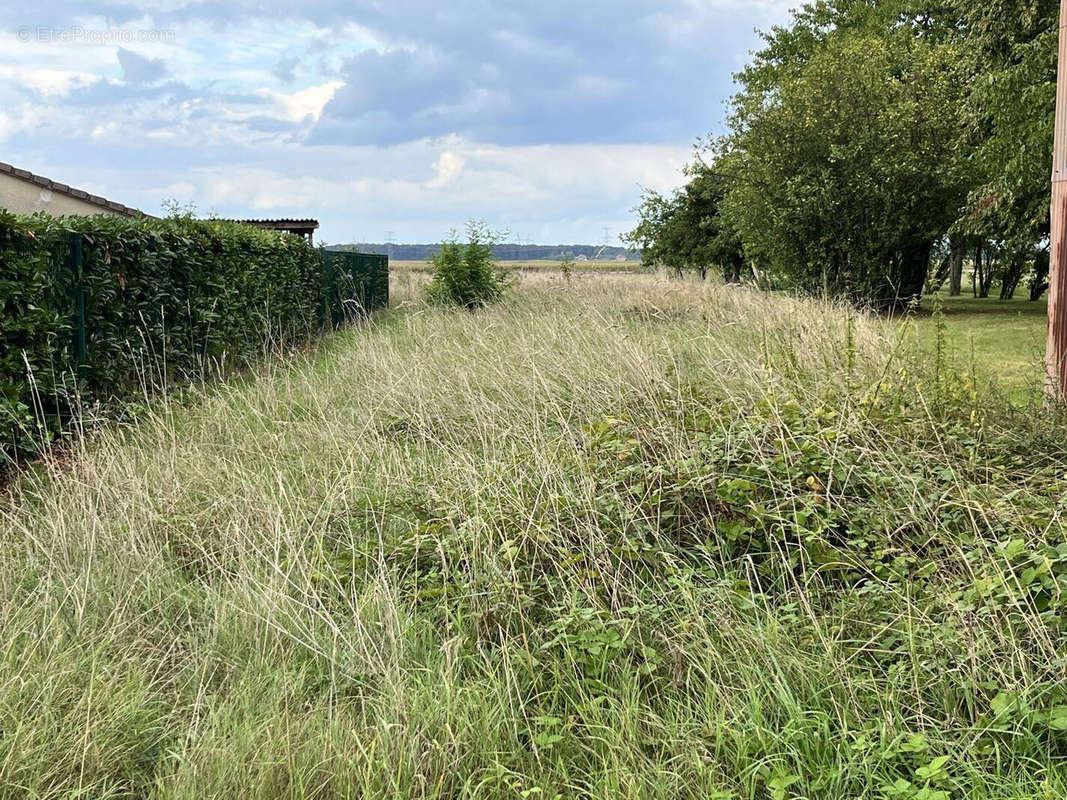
x=466 y=275
x=686 y=231
x=566 y=268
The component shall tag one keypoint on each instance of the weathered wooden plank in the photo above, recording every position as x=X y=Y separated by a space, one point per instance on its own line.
x=1056 y=357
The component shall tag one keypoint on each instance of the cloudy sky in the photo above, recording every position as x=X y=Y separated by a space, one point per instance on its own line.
x=374 y=116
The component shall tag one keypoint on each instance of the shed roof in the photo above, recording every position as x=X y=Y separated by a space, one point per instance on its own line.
x=293 y=223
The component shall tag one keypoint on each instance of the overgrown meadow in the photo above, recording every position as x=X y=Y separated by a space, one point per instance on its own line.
x=617 y=537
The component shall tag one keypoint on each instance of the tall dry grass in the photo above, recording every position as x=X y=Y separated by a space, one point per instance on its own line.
x=353 y=575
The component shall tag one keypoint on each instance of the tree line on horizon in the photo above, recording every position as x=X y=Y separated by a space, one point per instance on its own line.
x=501 y=251
x=874 y=150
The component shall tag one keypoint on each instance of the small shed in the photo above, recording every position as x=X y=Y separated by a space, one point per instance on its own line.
x=298 y=227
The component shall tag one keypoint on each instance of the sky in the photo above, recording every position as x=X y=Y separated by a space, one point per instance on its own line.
x=378 y=118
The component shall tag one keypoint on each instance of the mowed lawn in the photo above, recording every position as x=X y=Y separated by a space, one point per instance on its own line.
x=620 y=537
x=1005 y=341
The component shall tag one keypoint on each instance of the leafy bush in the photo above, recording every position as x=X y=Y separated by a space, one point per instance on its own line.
x=31 y=327
x=465 y=275
x=163 y=302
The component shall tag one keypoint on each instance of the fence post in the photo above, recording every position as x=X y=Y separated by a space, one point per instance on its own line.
x=359 y=278
x=78 y=290
x=383 y=266
x=370 y=279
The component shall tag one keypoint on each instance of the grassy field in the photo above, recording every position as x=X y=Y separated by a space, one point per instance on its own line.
x=621 y=537
x=1005 y=340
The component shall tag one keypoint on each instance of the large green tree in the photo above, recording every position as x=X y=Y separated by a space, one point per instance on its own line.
x=877 y=146
x=844 y=152
x=1010 y=48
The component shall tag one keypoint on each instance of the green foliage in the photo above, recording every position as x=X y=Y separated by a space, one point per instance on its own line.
x=871 y=139
x=32 y=323
x=687 y=231
x=465 y=274
x=842 y=162
x=898 y=528
x=566 y=268
x=165 y=302
x=1011 y=47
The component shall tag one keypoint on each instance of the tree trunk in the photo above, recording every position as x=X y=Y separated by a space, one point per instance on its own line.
x=1012 y=275
x=950 y=269
x=1039 y=280
x=983 y=272
x=731 y=273
x=985 y=279
x=938 y=280
x=955 y=275
x=761 y=280
x=913 y=265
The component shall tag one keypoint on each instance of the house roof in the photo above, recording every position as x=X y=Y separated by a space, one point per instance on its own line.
x=70 y=191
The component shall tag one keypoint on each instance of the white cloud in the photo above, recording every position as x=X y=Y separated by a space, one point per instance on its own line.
x=301 y=105
x=448 y=167
x=552 y=191
x=50 y=84
x=545 y=119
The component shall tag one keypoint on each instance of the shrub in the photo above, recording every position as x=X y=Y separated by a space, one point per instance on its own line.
x=465 y=275
x=30 y=325
x=153 y=303
x=566 y=268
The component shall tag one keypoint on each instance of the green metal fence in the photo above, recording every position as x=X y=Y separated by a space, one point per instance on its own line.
x=358 y=283
x=76 y=289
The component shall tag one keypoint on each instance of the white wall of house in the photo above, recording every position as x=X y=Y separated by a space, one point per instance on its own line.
x=24 y=197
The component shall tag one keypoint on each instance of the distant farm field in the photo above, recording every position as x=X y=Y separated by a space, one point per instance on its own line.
x=621 y=536
x=536 y=266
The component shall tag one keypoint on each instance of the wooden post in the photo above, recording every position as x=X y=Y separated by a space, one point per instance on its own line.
x=1056 y=357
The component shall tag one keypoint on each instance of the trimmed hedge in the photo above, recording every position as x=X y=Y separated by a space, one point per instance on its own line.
x=163 y=301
